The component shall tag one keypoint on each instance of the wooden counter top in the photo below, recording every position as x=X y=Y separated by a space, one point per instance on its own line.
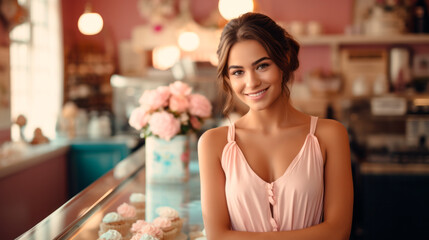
x=25 y=155
x=29 y=156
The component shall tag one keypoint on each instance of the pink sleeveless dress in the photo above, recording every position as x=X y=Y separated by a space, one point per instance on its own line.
x=296 y=197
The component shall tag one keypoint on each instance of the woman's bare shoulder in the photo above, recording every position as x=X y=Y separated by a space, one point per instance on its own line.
x=213 y=140
x=331 y=133
x=327 y=127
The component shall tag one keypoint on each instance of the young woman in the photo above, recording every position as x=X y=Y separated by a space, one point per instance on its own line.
x=276 y=173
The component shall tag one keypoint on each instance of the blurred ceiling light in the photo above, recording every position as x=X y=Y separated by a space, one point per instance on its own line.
x=90 y=23
x=232 y=9
x=188 y=41
x=165 y=57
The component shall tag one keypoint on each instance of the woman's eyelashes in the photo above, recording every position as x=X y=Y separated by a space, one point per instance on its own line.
x=262 y=66
x=237 y=72
x=259 y=67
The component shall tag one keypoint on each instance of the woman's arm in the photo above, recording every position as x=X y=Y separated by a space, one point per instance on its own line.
x=338 y=201
x=213 y=200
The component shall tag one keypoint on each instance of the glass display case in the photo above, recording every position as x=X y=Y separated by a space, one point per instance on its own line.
x=81 y=216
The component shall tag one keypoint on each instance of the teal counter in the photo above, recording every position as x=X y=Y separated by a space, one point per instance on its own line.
x=89 y=160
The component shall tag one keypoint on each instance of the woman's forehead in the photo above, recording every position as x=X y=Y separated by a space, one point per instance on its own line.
x=246 y=52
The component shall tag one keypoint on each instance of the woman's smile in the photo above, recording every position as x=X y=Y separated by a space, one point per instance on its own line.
x=257 y=94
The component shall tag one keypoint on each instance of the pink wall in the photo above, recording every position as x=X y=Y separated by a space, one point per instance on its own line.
x=121 y=18
x=28 y=196
x=334 y=15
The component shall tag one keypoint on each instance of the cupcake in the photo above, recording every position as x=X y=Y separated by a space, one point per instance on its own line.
x=138 y=226
x=113 y=221
x=111 y=235
x=153 y=231
x=173 y=215
x=128 y=213
x=143 y=236
x=138 y=200
x=165 y=224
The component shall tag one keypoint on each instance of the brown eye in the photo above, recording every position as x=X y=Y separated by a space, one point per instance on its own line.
x=237 y=73
x=262 y=66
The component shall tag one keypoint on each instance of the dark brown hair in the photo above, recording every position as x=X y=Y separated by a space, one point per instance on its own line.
x=279 y=44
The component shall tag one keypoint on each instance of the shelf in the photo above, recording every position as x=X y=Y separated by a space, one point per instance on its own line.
x=363 y=39
x=334 y=42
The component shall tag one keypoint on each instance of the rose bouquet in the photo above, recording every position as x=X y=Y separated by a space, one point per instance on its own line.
x=167 y=111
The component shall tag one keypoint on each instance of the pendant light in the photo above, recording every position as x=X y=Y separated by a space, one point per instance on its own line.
x=188 y=38
x=232 y=9
x=90 y=23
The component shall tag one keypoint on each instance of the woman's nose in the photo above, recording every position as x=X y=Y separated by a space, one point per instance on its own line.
x=252 y=80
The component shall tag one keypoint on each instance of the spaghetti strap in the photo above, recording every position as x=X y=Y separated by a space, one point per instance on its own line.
x=231 y=132
x=313 y=125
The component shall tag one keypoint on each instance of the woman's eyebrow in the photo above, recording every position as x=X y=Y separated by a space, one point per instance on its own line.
x=259 y=60
x=253 y=64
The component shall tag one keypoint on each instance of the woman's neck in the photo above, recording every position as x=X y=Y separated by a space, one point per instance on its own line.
x=279 y=115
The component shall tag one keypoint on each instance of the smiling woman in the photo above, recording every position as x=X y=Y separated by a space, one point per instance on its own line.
x=275 y=173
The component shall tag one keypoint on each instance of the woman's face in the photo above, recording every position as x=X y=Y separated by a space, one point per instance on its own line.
x=254 y=77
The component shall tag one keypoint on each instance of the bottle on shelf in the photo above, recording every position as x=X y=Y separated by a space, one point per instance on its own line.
x=421 y=17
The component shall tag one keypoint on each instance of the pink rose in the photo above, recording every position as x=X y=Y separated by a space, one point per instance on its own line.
x=178 y=104
x=147 y=98
x=138 y=226
x=153 y=231
x=126 y=210
x=154 y=99
x=196 y=124
x=138 y=118
x=163 y=95
x=164 y=124
x=199 y=106
x=180 y=89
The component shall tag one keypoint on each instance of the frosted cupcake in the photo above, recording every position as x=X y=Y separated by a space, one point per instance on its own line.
x=144 y=236
x=165 y=224
x=153 y=230
x=128 y=213
x=113 y=221
x=138 y=226
x=174 y=217
x=138 y=200
x=110 y=235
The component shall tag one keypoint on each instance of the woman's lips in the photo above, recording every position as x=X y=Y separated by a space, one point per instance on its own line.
x=258 y=94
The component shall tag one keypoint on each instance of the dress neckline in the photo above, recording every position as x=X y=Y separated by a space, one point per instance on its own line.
x=285 y=173
x=231 y=138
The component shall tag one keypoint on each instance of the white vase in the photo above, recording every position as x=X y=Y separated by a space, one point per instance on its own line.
x=167 y=161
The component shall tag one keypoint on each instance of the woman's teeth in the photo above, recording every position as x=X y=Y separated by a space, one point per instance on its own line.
x=256 y=94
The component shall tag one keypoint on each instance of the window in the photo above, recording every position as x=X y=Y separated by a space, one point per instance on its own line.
x=37 y=67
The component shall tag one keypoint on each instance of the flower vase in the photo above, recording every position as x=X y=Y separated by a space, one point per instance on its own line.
x=167 y=161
